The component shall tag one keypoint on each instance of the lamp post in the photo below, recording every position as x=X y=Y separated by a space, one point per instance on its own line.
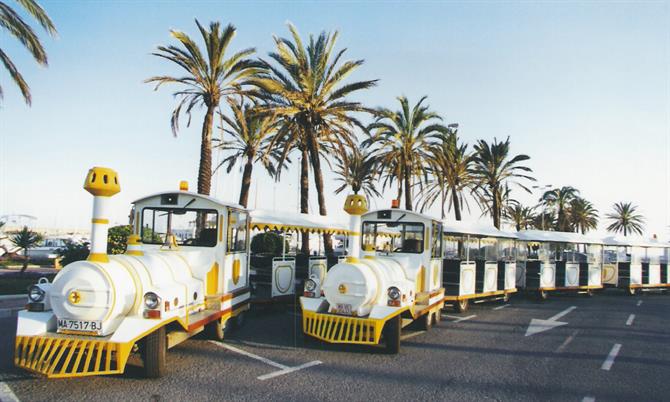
x=544 y=206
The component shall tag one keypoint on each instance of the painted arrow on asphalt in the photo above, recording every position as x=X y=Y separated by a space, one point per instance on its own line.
x=536 y=326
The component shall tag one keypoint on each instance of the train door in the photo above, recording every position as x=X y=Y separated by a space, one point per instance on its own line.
x=434 y=274
x=610 y=271
x=595 y=254
x=236 y=262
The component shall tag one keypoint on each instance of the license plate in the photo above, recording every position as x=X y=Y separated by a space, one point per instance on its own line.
x=84 y=326
x=343 y=309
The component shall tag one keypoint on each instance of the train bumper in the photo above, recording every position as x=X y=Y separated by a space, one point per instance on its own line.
x=64 y=356
x=341 y=329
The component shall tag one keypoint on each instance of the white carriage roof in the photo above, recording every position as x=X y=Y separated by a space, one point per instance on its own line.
x=559 y=237
x=191 y=194
x=288 y=221
x=476 y=229
x=633 y=241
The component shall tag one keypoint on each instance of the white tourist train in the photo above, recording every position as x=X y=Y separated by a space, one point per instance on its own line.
x=389 y=279
x=635 y=264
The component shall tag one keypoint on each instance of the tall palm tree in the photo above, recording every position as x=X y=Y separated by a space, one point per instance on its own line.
x=209 y=78
x=306 y=90
x=12 y=22
x=544 y=220
x=559 y=199
x=583 y=216
x=522 y=217
x=404 y=139
x=451 y=175
x=357 y=169
x=494 y=170
x=247 y=136
x=25 y=239
x=625 y=219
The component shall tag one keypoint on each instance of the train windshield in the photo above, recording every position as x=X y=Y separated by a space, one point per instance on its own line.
x=190 y=227
x=391 y=237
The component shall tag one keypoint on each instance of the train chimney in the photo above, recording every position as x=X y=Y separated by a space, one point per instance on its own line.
x=102 y=183
x=355 y=205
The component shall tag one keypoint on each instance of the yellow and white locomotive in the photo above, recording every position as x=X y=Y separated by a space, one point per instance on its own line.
x=389 y=280
x=185 y=270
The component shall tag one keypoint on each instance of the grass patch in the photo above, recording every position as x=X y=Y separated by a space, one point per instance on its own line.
x=14 y=284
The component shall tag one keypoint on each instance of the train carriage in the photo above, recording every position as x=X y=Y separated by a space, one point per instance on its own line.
x=479 y=264
x=635 y=264
x=561 y=262
x=388 y=280
x=185 y=270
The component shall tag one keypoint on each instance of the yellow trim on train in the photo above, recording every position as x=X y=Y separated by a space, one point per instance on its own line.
x=476 y=295
x=342 y=329
x=282 y=227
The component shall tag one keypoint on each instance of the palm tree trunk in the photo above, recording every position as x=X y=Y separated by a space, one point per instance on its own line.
x=205 y=169
x=25 y=260
x=246 y=181
x=304 y=196
x=318 y=179
x=495 y=210
x=408 y=190
x=457 y=205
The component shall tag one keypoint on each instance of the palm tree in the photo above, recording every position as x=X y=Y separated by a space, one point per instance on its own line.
x=208 y=79
x=249 y=137
x=522 y=217
x=583 y=216
x=544 y=220
x=451 y=174
x=405 y=138
x=12 y=22
x=494 y=168
x=25 y=239
x=357 y=169
x=624 y=219
x=559 y=199
x=307 y=92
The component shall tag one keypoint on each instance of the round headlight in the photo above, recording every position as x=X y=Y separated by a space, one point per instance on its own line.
x=36 y=294
x=394 y=293
x=310 y=285
x=151 y=300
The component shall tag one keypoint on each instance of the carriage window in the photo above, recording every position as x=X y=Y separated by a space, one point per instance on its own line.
x=623 y=254
x=609 y=255
x=237 y=231
x=393 y=237
x=638 y=255
x=191 y=227
x=453 y=247
x=521 y=251
x=472 y=249
x=436 y=241
x=654 y=254
x=594 y=253
x=539 y=251
x=506 y=250
x=489 y=249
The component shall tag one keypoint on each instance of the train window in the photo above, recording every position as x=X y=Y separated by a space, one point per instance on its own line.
x=539 y=251
x=623 y=254
x=237 y=231
x=453 y=247
x=472 y=250
x=393 y=237
x=594 y=253
x=191 y=227
x=521 y=251
x=506 y=250
x=436 y=241
x=654 y=254
x=488 y=249
x=637 y=255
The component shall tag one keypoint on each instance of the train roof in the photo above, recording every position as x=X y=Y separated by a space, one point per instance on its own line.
x=557 y=237
x=402 y=211
x=191 y=194
x=633 y=241
x=476 y=229
x=287 y=221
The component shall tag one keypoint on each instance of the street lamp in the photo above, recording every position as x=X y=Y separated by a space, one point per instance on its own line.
x=544 y=206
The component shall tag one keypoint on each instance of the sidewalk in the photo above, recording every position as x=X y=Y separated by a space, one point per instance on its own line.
x=11 y=304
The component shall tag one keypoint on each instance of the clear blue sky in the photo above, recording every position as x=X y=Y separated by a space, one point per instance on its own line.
x=581 y=87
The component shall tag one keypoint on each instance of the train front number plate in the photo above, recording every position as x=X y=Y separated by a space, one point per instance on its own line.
x=83 y=326
x=343 y=309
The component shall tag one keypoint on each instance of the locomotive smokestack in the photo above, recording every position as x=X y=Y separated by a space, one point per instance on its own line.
x=102 y=183
x=355 y=205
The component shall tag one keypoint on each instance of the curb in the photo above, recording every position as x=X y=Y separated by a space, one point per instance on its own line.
x=10 y=312
x=11 y=297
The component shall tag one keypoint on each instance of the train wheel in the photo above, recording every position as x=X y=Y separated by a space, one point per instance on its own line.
x=438 y=317
x=154 y=353
x=589 y=293
x=542 y=295
x=240 y=320
x=392 y=335
x=461 y=306
x=426 y=321
x=215 y=330
x=506 y=298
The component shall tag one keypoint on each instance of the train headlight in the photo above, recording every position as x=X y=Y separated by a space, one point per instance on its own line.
x=36 y=294
x=151 y=300
x=394 y=293
x=310 y=285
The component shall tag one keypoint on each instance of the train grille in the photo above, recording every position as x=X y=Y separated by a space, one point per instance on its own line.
x=339 y=329
x=58 y=357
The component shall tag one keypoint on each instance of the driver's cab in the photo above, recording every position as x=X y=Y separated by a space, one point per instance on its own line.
x=414 y=239
x=212 y=236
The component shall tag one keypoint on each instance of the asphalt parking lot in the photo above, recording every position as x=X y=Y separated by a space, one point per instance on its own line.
x=610 y=347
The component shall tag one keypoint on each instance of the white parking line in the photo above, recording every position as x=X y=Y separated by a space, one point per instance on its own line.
x=459 y=319
x=501 y=307
x=6 y=393
x=566 y=342
x=631 y=317
x=411 y=335
x=609 y=361
x=283 y=369
x=589 y=399
x=639 y=303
